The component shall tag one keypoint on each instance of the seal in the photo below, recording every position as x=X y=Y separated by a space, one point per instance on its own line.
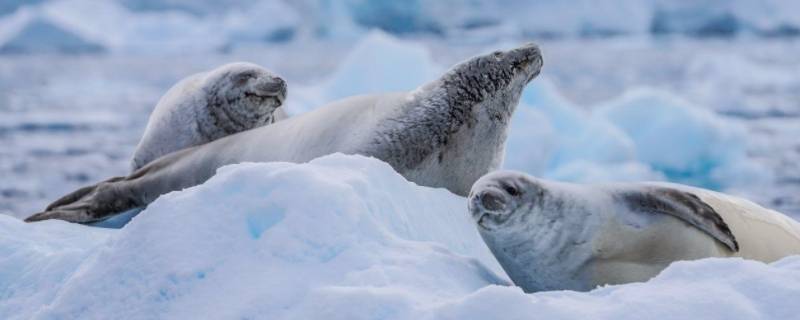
x=559 y=236
x=447 y=133
x=210 y=105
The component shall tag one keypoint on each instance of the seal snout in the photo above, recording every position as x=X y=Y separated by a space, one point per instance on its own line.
x=493 y=201
x=273 y=86
x=527 y=59
x=490 y=205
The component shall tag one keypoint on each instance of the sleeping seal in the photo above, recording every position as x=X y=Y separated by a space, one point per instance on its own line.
x=210 y=105
x=559 y=236
x=447 y=133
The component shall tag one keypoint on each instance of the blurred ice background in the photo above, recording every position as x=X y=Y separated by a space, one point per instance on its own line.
x=699 y=92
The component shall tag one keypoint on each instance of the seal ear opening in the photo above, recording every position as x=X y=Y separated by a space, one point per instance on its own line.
x=684 y=206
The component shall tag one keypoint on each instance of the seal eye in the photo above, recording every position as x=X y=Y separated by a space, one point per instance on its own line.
x=511 y=190
x=242 y=78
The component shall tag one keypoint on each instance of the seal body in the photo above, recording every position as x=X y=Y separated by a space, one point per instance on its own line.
x=210 y=105
x=446 y=133
x=556 y=236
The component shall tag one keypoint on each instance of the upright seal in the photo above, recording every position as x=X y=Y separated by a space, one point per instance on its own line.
x=560 y=236
x=447 y=133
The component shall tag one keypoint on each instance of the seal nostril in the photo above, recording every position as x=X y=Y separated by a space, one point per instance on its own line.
x=281 y=83
x=492 y=201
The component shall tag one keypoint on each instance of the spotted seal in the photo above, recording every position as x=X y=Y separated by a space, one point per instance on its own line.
x=446 y=133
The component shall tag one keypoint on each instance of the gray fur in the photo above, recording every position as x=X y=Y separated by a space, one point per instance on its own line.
x=444 y=134
x=207 y=106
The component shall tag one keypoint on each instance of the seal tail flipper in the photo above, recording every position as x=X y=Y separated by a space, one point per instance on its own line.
x=89 y=204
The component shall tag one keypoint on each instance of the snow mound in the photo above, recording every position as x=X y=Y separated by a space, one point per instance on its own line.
x=707 y=289
x=304 y=241
x=283 y=237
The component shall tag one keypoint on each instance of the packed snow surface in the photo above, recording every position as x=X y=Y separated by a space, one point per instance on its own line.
x=340 y=237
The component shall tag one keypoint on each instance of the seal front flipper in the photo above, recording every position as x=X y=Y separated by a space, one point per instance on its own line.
x=91 y=204
x=684 y=206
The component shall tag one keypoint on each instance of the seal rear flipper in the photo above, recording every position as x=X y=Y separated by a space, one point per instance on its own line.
x=684 y=206
x=90 y=204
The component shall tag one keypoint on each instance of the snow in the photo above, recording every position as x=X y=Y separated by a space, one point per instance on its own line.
x=94 y=26
x=300 y=241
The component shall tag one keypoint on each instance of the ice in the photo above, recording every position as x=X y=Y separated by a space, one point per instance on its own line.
x=110 y=25
x=37 y=259
x=286 y=235
x=381 y=63
x=304 y=241
x=645 y=134
x=147 y=26
x=709 y=289
x=29 y=32
x=687 y=143
x=552 y=137
x=377 y=63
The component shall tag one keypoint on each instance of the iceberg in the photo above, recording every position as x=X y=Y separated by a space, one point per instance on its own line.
x=381 y=63
x=29 y=32
x=304 y=241
x=688 y=144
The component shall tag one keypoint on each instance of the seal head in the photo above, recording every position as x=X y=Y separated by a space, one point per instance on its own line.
x=540 y=234
x=241 y=96
x=208 y=106
x=459 y=121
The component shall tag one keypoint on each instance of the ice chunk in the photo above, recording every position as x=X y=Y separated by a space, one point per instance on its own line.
x=39 y=35
x=303 y=241
x=697 y=20
x=394 y=17
x=549 y=131
x=687 y=143
x=381 y=63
